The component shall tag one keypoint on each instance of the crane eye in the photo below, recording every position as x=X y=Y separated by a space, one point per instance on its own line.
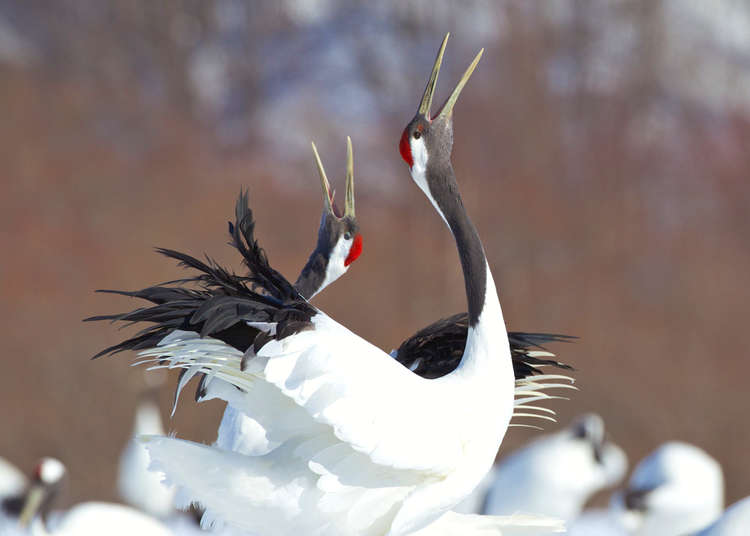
x=417 y=134
x=347 y=235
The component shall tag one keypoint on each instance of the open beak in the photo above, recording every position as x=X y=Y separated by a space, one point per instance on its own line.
x=424 y=106
x=447 y=109
x=349 y=201
x=327 y=194
x=31 y=505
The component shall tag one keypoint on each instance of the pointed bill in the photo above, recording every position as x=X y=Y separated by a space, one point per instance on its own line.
x=31 y=505
x=349 y=201
x=323 y=181
x=424 y=106
x=447 y=109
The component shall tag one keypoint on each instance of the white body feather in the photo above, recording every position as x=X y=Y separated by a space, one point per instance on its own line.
x=688 y=492
x=12 y=481
x=597 y=522
x=455 y=524
x=734 y=522
x=554 y=475
x=136 y=485
x=348 y=441
x=96 y=519
x=685 y=493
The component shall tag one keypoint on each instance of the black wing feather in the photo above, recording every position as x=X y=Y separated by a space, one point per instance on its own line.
x=214 y=301
x=436 y=350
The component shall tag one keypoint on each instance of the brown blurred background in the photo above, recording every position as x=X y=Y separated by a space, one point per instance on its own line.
x=601 y=147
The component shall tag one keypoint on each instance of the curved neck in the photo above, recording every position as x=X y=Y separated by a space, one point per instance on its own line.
x=312 y=276
x=447 y=200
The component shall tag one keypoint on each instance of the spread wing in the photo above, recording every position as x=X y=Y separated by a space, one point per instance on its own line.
x=256 y=328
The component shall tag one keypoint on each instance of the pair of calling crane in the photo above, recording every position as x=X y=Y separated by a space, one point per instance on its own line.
x=324 y=433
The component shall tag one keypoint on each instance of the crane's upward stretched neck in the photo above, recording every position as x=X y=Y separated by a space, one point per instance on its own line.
x=310 y=280
x=426 y=145
x=487 y=335
x=470 y=251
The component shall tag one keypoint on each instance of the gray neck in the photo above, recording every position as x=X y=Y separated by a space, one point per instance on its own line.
x=444 y=190
x=312 y=275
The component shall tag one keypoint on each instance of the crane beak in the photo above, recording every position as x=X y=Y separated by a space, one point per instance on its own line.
x=31 y=505
x=327 y=196
x=424 y=106
x=349 y=201
x=446 y=112
x=328 y=206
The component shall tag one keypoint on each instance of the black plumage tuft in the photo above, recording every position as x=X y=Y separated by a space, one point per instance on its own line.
x=202 y=388
x=637 y=499
x=216 y=302
x=13 y=506
x=521 y=343
x=436 y=350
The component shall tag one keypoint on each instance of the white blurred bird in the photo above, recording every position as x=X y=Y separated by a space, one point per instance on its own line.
x=85 y=519
x=556 y=474
x=678 y=489
x=597 y=522
x=136 y=485
x=12 y=480
x=37 y=496
x=13 y=485
x=735 y=521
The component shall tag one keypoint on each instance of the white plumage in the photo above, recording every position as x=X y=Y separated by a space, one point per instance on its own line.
x=456 y=524
x=346 y=441
x=12 y=480
x=97 y=519
x=556 y=474
x=678 y=489
x=684 y=492
x=85 y=519
x=735 y=521
x=13 y=483
x=138 y=486
x=597 y=522
x=344 y=455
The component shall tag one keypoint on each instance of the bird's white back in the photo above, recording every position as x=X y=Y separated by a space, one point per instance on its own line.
x=554 y=475
x=98 y=518
x=137 y=486
x=12 y=480
x=735 y=521
x=686 y=492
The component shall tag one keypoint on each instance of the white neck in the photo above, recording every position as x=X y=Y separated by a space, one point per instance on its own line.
x=335 y=267
x=487 y=341
x=489 y=338
x=148 y=420
x=419 y=172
